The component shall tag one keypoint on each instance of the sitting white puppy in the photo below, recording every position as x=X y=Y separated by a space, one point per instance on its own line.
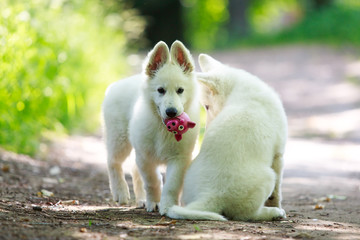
x=239 y=168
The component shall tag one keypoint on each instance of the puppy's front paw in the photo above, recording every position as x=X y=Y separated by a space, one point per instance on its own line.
x=121 y=197
x=140 y=203
x=151 y=206
x=120 y=194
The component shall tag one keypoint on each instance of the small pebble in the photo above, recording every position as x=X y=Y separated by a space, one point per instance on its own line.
x=55 y=170
x=37 y=208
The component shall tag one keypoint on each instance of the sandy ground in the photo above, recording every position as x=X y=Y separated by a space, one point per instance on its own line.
x=64 y=194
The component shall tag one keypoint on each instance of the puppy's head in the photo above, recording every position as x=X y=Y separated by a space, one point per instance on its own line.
x=215 y=85
x=170 y=83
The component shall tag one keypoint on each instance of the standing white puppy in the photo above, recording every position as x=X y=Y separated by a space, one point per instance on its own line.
x=239 y=167
x=134 y=111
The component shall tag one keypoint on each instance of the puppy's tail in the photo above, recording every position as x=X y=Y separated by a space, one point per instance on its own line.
x=178 y=212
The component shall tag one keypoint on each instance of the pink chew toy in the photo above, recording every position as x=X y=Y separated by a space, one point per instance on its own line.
x=179 y=125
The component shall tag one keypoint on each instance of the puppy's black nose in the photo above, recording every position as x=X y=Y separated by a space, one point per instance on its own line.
x=171 y=112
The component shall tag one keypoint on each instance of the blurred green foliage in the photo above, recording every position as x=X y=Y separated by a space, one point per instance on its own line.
x=267 y=17
x=336 y=23
x=204 y=23
x=56 y=59
x=272 y=22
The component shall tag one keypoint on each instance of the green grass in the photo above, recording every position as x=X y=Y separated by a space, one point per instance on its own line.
x=55 y=63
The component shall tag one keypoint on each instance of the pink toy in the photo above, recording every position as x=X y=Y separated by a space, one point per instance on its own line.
x=179 y=125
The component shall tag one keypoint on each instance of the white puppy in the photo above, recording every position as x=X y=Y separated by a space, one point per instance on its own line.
x=134 y=111
x=239 y=167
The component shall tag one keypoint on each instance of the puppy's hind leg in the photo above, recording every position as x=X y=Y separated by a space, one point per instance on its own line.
x=252 y=207
x=270 y=178
x=275 y=197
x=118 y=151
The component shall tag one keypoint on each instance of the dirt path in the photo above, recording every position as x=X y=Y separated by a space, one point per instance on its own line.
x=321 y=180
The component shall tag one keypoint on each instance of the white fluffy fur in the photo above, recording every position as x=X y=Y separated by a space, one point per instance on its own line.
x=134 y=111
x=239 y=168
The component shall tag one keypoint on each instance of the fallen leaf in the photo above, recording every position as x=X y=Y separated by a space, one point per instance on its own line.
x=5 y=168
x=162 y=219
x=319 y=207
x=162 y=222
x=323 y=199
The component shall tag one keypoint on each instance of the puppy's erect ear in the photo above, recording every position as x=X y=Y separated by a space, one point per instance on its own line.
x=207 y=63
x=181 y=56
x=208 y=81
x=156 y=58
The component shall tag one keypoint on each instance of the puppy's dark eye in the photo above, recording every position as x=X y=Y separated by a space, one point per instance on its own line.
x=161 y=90
x=180 y=90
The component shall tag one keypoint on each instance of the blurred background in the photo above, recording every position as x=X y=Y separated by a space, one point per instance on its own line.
x=58 y=56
